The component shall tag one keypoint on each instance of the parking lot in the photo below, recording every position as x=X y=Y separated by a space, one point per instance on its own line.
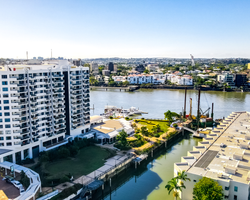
x=10 y=190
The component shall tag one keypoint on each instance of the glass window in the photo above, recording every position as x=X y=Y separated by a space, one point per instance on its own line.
x=8 y=138
x=1 y=120
x=7 y=132
x=5 y=95
x=1 y=138
x=1 y=126
x=0 y=108
x=5 y=89
x=9 y=144
x=7 y=126
x=4 y=83
x=235 y=188
x=7 y=120
x=5 y=101
x=0 y=114
x=6 y=114
x=6 y=107
x=226 y=188
x=4 y=76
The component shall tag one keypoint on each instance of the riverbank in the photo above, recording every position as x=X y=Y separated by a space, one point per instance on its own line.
x=173 y=87
x=131 y=180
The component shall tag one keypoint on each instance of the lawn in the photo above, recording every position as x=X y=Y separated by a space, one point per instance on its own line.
x=87 y=160
x=150 y=123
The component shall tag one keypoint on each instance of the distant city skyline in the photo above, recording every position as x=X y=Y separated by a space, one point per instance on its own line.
x=125 y=29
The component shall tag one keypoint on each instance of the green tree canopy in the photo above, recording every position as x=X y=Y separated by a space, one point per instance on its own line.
x=207 y=189
x=169 y=116
x=122 y=142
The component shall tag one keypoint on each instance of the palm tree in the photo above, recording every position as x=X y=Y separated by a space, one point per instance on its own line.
x=182 y=176
x=173 y=186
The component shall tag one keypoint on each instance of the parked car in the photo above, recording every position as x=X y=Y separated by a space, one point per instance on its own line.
x=22 y=190
x=17 y=184
x=9 y=179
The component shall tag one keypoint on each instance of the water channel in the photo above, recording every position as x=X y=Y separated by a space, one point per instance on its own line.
x=149 y=182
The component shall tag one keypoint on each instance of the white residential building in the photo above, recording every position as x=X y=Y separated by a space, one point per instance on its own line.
x=222 y=156
x=42 y=106
x=140 y=79
x=119 y=79
x=226 y=78
x=180 y=80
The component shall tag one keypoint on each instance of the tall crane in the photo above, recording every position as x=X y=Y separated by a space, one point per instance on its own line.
x=192 y=60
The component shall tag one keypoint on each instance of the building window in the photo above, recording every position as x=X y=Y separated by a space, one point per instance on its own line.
x=235 y=188
x=7 y=120
x=5 y=101
x=5 y=95
x=1 y=126
x=4 y=83
x=1 y=144
x=226 y=188
x=1 y=120
x=8 y=138
x=194 y=180
x=235 y=197
x=9 y=144
x=5 y=89
x=6 y=107
x=6 y=114
x=7 y=126
x=4 y=76
x=1 y=138
x=7 y=132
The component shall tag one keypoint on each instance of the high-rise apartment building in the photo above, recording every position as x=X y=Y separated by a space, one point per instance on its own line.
x=41 y=107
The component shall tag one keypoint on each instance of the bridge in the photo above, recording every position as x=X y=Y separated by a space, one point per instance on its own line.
x=128 y=88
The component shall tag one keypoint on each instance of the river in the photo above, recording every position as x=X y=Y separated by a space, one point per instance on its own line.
x=150 y=184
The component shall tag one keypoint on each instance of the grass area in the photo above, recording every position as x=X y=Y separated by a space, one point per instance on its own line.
x=87 y=160
x=150 y=123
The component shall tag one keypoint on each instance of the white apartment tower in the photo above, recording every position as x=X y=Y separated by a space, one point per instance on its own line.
x=41 y=107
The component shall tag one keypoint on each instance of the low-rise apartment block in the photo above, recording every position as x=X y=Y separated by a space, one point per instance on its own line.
x=223 y=156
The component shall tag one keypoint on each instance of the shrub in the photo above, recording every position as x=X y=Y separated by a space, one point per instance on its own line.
x=127 y=118
x=24 y=180
x=63 y=152
x=64 y=179
x=28 y=161
x=175 y=125
x=110 y=117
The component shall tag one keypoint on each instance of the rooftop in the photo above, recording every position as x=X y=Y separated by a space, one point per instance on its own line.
x=225 y=152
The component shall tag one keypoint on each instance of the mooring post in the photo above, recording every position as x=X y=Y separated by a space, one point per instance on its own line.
x=152 y=153
x=110 y=183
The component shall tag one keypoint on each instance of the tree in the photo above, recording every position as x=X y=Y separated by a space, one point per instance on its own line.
x=182 y=176
x=173 y=186
x=146 y=71
x=122 y=142
x=207 y=189
x=169 y=116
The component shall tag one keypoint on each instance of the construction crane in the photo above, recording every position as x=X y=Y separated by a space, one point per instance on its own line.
x=190 y=112
x=192 y=60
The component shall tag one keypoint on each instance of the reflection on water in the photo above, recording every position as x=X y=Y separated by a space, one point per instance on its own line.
x=156 y=102
x=150 y=180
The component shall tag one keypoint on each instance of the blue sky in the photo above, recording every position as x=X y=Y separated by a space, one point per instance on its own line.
x=115 y=28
